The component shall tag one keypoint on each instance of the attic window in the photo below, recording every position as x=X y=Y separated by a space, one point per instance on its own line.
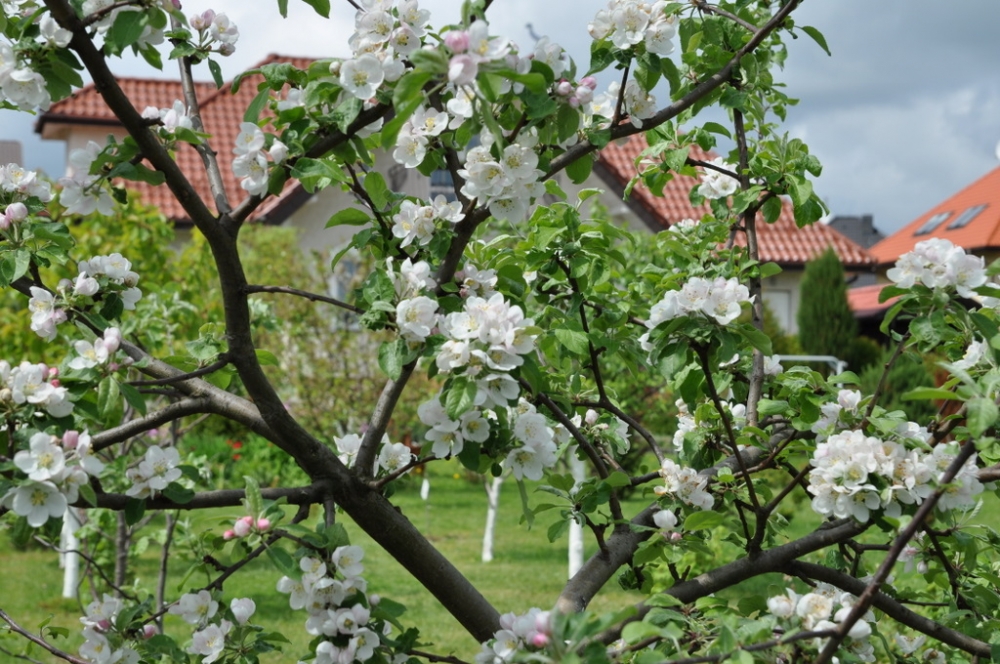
x=442 y=184
x=963 y=219
x=933 y=223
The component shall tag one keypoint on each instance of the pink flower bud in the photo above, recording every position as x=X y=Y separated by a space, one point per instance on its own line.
x=263 y=525
x=202 y=21
x=70 y=439
x=539 y=640
x=55 y=382
x=574 y=102
x=103 y=625
x=543 y=622
x=564 y=88
x=16 y=212
x=590 y=417
x=675 y=536
x=227 y=49
x=112 y=339
x=53 y=372
x=374 y=599
x=457 y=41
x=228 y=535
x=148 y=631
x=4 y=222
x=589 y=81
x=584 y=94
x=242 y=527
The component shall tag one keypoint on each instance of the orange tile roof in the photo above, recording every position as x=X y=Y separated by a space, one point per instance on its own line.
x=976 y=235
x=781 y=242
x=221 y=113
x=863 y=300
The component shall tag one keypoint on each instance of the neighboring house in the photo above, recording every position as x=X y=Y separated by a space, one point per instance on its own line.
x=84 y=117
x=969 y=219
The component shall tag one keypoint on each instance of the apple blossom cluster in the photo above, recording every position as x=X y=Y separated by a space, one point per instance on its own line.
x=158 y=468
x=685 y=484
x=340 y=609
x=177 y=116
x=508 y=183
x=689 y=425
x=719 y=299
x=82 y=192
x=938 y=264
x=104 y=643
x=32 y=388
x=96 y=353
x=200 y=609
x=23 y=184
x=246 y=525
x=843 y=413
x=417 y=223
x=535 y=440
x=813 y=612
x=628 y=23
x=416 y=134
x=55 y=469
x=391 y=458
x=854 y=474
x=110 y=274
x=529 y=632
x=215 y=32
x=250 y=164
x=715 y=184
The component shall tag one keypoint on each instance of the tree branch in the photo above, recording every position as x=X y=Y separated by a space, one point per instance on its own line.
x=37 y=640
x=314 y=297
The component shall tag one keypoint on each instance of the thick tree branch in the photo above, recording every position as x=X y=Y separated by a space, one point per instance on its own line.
x=303 y=495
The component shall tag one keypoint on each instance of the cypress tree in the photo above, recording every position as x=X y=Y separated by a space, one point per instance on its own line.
x=826 y=324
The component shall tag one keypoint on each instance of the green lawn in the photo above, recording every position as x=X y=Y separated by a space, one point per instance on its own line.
x=526 y=571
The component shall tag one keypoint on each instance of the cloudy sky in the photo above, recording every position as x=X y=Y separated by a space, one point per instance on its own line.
x=905 y=113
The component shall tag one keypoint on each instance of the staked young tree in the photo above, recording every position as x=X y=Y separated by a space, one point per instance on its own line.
x=516 y=309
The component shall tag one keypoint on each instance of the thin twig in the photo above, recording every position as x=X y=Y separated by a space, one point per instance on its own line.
x=712 y=9
x=315 y=297
x=37 y=640
x=222 y=361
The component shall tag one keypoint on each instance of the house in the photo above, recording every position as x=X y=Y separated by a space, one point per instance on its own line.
x=969 y=219
x=83 y=117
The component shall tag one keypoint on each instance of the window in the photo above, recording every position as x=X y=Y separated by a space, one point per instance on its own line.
x=933 y=223
x=442 y=184
x=963 y=219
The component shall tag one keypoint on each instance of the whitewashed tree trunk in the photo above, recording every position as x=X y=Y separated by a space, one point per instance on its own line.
x=69 y=559
x=492 y=500
x=579 y=472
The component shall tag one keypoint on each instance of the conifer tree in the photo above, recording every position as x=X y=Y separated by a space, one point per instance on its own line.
x=826 y=324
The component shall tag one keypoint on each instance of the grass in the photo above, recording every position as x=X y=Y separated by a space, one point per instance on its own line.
x=526 y=571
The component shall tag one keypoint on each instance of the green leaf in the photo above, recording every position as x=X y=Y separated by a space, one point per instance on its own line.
x=254 y=501
x=266 y=358
x=283 y=8
x=527 y=515
x=936 y=393
x=216 y=70
x=126 y=29
x=88 y=495
x=349 y=217
x=618 y=479
x=377 y=189
x=558 y=529
x=817 y=37
x=460 y=397
x=579 y=170
x=179 y=494
x=392 y=128
x=409 y=87
x=134 y=509
x=133 y=397
x=256 y=107
x=322 y=7
x=703 y=520
x=283 y=561
x=767 y=407
x=108 y=398
x=391 y=357
x=982 y=414
x=771 y=209
x=573 y=340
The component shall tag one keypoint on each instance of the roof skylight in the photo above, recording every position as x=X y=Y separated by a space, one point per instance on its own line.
x=963 y=219
x=933 y=223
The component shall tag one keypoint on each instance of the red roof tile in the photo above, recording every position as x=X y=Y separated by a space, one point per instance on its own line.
x=781 y=242
x=863 y=300
x=221 y=113
x=978 y=234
